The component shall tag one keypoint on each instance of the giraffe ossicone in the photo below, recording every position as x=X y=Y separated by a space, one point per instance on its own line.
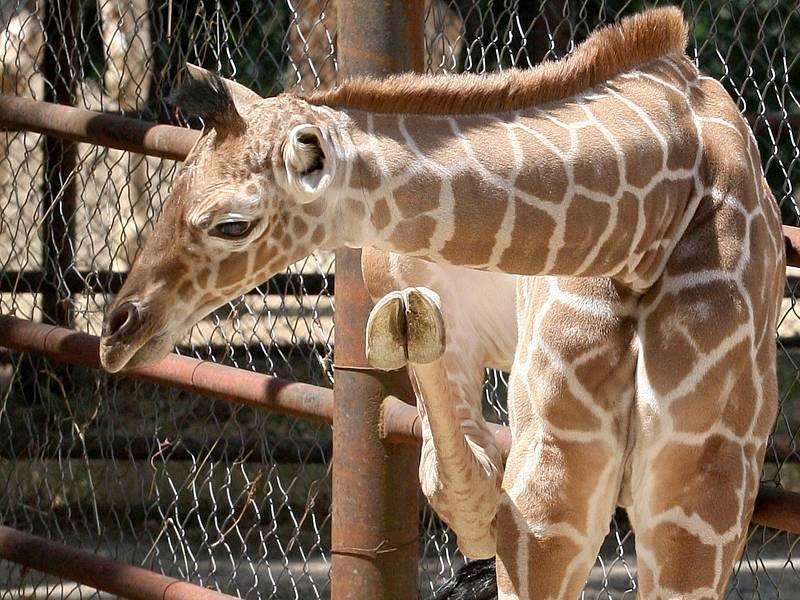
x=624 y=190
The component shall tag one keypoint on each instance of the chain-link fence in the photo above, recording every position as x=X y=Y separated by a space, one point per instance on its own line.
x=227 y=496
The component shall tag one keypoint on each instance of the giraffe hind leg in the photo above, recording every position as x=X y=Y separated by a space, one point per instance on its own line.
x=706 y=394
x=691 y=524
x=708 y=409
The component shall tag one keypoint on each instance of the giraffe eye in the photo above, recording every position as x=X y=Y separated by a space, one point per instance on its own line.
x=232 y=230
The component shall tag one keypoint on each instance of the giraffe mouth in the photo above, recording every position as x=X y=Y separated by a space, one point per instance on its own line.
x=124 y=357
x=134 y=346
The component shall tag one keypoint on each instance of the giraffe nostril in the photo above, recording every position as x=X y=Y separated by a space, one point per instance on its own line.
x=121 y=320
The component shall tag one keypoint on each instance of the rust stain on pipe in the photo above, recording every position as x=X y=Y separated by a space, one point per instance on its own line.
x=219 y=381
x=114 y=131
x=98 y=572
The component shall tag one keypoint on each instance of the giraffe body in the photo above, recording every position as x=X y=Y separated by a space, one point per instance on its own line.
x=622 y=186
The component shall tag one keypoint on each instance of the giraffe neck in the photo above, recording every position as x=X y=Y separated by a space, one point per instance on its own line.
x=596 y=185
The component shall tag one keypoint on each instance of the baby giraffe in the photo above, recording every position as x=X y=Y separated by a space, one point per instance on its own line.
x=623 y=185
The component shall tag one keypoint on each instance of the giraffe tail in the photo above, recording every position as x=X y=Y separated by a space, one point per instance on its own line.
x=474 y=581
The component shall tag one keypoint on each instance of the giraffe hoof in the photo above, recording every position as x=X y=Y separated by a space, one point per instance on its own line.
x=405 y=326
x=386 y=333
x=425 y=330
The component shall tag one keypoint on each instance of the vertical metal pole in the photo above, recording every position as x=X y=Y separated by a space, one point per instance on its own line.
x=60 y=67
x=375 y=526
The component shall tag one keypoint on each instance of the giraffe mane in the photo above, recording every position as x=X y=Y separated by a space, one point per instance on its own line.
x=606 y=53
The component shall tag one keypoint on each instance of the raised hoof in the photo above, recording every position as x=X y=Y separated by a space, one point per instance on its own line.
x=405 y=326
x=425 y=326
x=386 y=333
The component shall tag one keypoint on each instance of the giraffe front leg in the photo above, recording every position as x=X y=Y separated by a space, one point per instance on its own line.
x=570 y=398
x=461 y=466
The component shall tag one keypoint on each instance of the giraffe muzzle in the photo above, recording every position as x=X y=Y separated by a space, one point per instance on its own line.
x=121 y=321
x=131 y=337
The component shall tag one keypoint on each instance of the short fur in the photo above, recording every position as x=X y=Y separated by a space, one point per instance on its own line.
x=210 y=99
x=608 y=52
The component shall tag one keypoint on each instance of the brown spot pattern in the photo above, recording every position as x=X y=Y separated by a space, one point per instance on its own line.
x=380 y=214
x=476 y=222
x=683 y=571
x=420 y=195
x=595 y=166
x=581 y=236
x=365 y=173
x=232 y=269
x=703 y=479
x=413 y=235
x=545 y=175
x=532 y=227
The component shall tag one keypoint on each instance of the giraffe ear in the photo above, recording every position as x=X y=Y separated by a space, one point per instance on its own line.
x=309 y=161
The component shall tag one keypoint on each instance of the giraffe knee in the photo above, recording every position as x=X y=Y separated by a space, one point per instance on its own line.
x=468 y=511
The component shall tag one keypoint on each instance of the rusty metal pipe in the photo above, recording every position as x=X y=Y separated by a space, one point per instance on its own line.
x=375 y=519
x=114 y=131
x=374 y=525
x=218 y=381
x=791 y=240
x=777 y=508
x=98 y=572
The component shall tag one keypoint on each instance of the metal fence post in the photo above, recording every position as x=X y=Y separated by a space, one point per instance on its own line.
x=60 y=65
x=375 y=526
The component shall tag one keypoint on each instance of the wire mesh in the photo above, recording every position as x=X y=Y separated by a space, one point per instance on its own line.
x=223 y=496
x=226 y=496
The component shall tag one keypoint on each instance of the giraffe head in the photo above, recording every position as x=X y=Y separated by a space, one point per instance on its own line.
x=252 y=197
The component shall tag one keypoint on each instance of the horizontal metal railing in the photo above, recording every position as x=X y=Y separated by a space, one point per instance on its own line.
x=218 y=381
x=125 y=581
x=80 y=125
